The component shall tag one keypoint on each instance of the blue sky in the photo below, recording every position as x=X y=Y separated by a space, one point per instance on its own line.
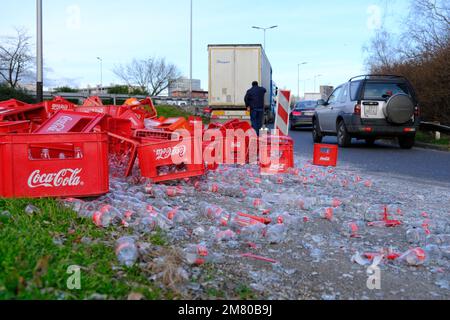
x=328 y=34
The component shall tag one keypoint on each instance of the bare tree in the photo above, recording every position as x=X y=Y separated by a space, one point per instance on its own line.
x=428 y=27
x=382 y=50
x=16 y=60
x=152 y=75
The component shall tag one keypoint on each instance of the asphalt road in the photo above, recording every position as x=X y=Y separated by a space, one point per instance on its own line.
x=416 y=164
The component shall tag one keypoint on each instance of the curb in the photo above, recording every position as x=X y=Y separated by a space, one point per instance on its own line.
x=422 y=145
x=432 y=146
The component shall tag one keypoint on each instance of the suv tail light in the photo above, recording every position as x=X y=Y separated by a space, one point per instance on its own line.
x=417 y=111
x=297 y=113
x=357 y=109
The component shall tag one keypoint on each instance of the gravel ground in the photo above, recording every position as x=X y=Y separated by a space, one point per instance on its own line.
x=323 y=222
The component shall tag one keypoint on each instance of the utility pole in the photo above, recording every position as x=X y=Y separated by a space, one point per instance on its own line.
x=101 y=74
x=39 y=54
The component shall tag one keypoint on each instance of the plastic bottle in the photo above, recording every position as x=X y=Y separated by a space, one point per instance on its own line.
x=127 y=251
x=106 y=216
x=276 y=233
x=197 y=255
x=210 y=211
x=226 y=235
x=62 y=156
x=414 y=257
x=416 y=236
x=78 y=153
x=45 y=154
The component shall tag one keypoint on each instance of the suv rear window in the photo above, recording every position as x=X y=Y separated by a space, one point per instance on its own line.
x=382 y=91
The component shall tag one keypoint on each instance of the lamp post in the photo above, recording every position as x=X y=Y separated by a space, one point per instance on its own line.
x=264 y=29
x=39 y=54
x=190 y=63
x=101 y=73
x=315 y=81
x=298 y=78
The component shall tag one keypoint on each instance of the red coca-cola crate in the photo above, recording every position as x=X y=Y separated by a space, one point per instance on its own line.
x=136 y=118
x=93 y=101
x=57 y=104
x=171 y=160
x=69 y=121
x=35 y=113
x=113 y=111
x=325 y=155
x=173 y=124
x=123 y=154
x=210 y=156
x=121 y=127
x=146 y=108
x=148 y=136
x=12 y=104
x=33 y=165
x=275 y=160
x=15 y=127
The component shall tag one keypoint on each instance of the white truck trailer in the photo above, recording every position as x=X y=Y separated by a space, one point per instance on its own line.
x=232 y=69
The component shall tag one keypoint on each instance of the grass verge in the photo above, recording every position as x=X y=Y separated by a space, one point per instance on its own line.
x=428 y=137
x=37 y=249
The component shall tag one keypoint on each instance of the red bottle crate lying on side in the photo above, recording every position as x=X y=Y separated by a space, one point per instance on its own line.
x=63 y=165
x=15 y=127
x=57 y=104
x=69 y=121
x=325 y=155
x=171 y=160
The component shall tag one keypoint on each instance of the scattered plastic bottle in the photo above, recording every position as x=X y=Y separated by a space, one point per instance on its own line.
x=276 y=233
x=78 y=153
x=31 y=209
x=127 y=251
x=106 y=216
x=416 y=236
x=45 y=154
x=197 y=255
x=414 y=257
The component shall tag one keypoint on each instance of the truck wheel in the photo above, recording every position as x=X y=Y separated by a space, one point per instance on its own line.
x=344 y=139
x=316 y=133
x=406 y=142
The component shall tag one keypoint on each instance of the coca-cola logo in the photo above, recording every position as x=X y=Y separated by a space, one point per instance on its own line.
x=60 y=124
x=56 y=107
x=62 y=178
x=166 y=153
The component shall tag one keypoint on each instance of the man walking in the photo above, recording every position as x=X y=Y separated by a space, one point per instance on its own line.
x=254 y=101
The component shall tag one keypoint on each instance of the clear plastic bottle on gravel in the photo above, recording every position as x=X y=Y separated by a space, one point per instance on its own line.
x=433 y=253
x=226 y=235
x=211 y=211
x=416 y=236
x=414 y=257
x=324 y=213
x=253 y=233
x=197 y=255
x=127 y=251
x=276 y=233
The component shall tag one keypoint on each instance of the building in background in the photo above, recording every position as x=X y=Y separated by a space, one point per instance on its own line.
x=196 y=94
x=182 y=85
x=312 y=96
x=325 y=92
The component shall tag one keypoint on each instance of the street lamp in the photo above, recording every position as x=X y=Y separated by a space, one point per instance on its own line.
x=39 y=54
x=190 y=63
x=315 y=81
x=264 y=29
x=298 y=78
x=101 y=73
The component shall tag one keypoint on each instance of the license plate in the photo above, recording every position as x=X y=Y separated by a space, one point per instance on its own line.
x=371 y=110
x=309 y=113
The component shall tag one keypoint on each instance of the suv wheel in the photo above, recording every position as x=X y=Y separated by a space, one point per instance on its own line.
x=316 y=134
x=406 y=142
x=344 y=139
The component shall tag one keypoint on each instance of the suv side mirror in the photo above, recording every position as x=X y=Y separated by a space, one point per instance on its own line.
x=321 y=102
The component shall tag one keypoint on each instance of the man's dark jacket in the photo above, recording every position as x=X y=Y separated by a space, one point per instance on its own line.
x=255 y=98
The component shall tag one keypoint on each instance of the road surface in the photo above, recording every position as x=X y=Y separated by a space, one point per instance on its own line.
x=416 y=164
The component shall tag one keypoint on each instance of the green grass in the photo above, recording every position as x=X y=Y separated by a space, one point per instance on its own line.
x=244 y=292
x=32 y=266
x=427 y=137
x=167 y=111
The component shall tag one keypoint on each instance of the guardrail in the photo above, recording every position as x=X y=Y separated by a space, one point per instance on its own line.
x=430 y=126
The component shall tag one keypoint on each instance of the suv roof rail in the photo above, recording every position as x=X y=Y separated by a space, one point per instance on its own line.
x=370 y=76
